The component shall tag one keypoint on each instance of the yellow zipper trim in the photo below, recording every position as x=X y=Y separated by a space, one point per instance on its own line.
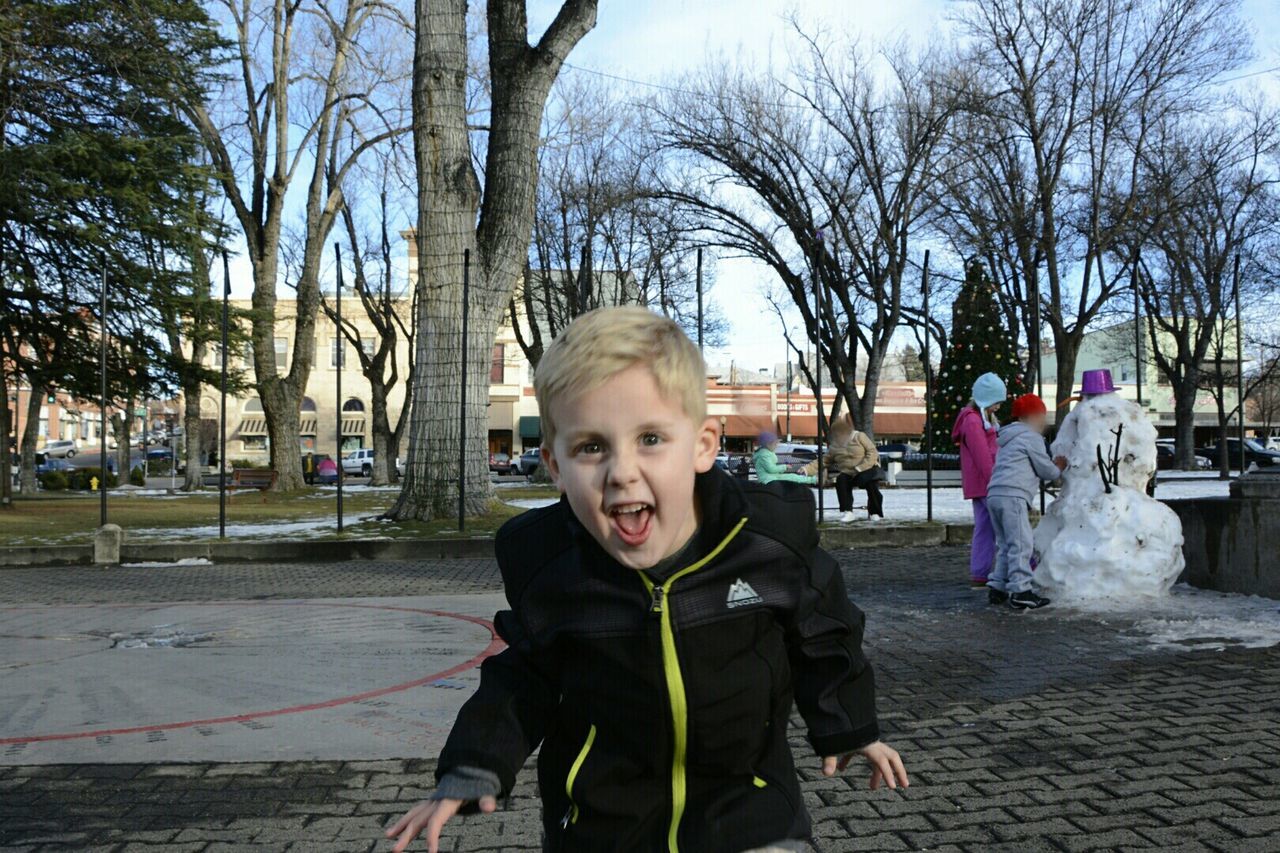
x=758 y=782
x=573 y=773
x=675 y=685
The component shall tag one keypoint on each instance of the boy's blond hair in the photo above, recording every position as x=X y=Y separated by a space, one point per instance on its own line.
x=601 y=344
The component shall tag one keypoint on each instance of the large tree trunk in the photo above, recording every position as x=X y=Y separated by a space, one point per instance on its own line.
x=449 y=199
x=193 y=450
x=30 y=431
x=122 y=421
x=384 y=462
x=1184 y=424
x=1067 y=350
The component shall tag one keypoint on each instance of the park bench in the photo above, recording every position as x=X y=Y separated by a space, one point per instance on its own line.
x=252 y=478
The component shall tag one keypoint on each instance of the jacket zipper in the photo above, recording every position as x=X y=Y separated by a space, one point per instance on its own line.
x=571 y=816
x=675 y=683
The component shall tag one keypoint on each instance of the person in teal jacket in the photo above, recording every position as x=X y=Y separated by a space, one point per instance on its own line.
x=768 y=468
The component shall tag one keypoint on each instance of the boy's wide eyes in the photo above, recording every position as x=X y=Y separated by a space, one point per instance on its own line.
x=590 y=448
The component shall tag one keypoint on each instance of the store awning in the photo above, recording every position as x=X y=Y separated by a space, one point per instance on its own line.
x=747 y=426
x=353 y=426
x=802 y=426
x=900 y=424
x=253 y=427
x=307 y=426
x=530 y=426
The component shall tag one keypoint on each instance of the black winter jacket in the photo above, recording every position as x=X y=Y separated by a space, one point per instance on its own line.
x=662 y=712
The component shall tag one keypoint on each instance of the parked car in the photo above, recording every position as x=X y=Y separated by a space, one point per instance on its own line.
x=358 y=462
x=500 y=463
x=61 y=448
x=1254 y=453
x=1167 y=459
x=529 y=460
x=157 y=453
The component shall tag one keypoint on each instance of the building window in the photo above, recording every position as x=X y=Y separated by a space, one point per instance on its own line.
x=282 y=353
x=337 y=352
x=254 y=443
x=366 y=346
x=353 y=405
x=253 y=404
x=497 y=367
x=308 y=405
x=248 y=354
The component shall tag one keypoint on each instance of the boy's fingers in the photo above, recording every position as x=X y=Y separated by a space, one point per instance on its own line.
x=886 y=771
x=844 y=762
x=901 y=770
x=829 y=766
x=875 y=777
x=488 y=804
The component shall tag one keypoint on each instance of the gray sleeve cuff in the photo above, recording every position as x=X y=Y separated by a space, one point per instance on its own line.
x=467 y=784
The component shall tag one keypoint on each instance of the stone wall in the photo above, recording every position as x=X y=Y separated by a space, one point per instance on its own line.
x=1231 y=544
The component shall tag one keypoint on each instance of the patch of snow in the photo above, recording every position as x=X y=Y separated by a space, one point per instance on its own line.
x=272 y=529
x=1192 y=619
x=185 y=561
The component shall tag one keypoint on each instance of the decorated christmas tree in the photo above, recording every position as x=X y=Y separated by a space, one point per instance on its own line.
x=979 y=343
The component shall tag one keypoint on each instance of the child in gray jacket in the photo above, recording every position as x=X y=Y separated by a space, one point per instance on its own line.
x=1021 y=463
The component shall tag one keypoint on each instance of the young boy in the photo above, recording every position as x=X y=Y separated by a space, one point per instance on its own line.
x=664 y=616
x=1021 y=463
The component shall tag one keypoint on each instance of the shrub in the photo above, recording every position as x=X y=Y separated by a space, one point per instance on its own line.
x=136 y=477
x=54 y=481
x=81 y=477
x=250 y=463
x=540 y=474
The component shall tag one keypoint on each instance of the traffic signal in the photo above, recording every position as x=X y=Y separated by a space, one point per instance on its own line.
x=51 y=397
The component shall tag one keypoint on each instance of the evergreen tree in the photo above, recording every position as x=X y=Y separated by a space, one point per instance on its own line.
x=979 y=343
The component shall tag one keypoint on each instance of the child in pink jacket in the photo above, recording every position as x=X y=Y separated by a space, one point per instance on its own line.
x=975 y=433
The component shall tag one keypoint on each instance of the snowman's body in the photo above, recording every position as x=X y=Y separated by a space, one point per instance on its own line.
x=1095 y=544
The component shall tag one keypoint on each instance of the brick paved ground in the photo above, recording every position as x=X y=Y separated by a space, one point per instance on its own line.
x=1022 y=733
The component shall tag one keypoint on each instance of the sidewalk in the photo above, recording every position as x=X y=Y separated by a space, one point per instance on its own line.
x=1060 y=730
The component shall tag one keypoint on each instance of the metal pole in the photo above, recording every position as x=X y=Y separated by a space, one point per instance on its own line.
x=928 y=389
x=462 y=407
x=102 y=400
x=341 y=358
x=789 y=381
x=1137 y=328
x=1239 y=361
x=817 y=366
x=1035 y=323
x=222 y=408
x=699 y=285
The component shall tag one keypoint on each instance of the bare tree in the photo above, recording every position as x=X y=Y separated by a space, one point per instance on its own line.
x=390 y=310
x=1067 y=93
x=315 y=85
x=601 y=234
x=456 y=214
x=833 y=168
x=1209 y=190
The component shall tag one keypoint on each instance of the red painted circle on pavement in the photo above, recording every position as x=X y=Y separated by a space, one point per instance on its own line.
x=495 y=645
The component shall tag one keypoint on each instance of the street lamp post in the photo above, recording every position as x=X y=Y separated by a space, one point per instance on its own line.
x=928 y=389
x=222 y=407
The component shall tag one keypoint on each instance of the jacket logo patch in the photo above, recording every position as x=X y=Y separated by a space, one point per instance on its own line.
x=741 y=594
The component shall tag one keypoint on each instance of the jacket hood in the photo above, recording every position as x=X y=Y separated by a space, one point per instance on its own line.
x=1011 y=432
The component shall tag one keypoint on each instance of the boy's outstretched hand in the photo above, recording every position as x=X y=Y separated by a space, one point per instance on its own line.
x=886 y=765
x=430 y=816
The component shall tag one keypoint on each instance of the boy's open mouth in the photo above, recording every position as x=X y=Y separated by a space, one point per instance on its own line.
x=633 y=522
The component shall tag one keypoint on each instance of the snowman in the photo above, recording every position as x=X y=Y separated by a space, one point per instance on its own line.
x=1104 y=537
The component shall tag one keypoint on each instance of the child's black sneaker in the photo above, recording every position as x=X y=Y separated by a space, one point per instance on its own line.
x=1027 y=600
x=996 y=596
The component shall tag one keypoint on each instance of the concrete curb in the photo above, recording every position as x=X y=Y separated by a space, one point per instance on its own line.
x=333 y=550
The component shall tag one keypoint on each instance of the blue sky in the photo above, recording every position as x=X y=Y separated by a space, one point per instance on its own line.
x=648 y=40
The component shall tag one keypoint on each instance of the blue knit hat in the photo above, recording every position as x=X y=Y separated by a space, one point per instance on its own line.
x=766 y=438
x=988 y=390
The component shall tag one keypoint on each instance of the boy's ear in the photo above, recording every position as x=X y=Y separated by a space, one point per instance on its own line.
x=706 y=445
x=553 y=465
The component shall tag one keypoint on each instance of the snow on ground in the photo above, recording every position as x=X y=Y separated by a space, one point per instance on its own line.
x=949 y=505
x=1192 y=619
x=185 y=561
x=268 y=529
